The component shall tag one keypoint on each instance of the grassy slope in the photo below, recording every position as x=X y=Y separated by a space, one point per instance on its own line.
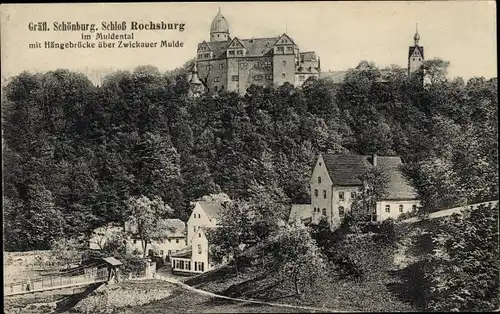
x=376 y=293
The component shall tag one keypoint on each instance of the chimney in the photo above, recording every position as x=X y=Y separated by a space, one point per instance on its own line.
x=374 y=160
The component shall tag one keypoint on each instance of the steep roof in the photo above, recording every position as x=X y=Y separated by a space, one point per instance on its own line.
x=412 y=49
x=112 y=261
x=300 y=210
x=345 y=169
x=173 y=227
x=259 y=46
x=212 y=209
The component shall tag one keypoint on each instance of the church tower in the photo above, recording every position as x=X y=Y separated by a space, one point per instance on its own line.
x=196 y=87
x=219 y=30
x=415 y=54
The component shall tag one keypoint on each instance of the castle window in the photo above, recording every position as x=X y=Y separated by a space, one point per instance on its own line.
x=199 y=248
x=387 y=208
x=414 y=207
x=413 y=59
x=243 y=65
x=302 y=77
x=267 y=64
x=235 y=78
x=169 y=240
x=353 y=194
x=209 y=67
x=206 y=55
x=400 y=208
x=221 y=66
x=281 y=49
x=341 y=211
x=341 y=195
x=324 y=211
x=319 y=179
x=283 y=62
x=315 y=192
x=289 y=48
x=269 y=76
x=216 y=79
x=200 y=56
x=239 y=52
x=231 y=52
x=199 y=235
x=257 y=77
x=257 y=64
x=283 y=74
x=324 y=193
x=176 y=240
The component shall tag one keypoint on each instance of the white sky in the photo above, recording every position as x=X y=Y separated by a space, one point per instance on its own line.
x=341 y=33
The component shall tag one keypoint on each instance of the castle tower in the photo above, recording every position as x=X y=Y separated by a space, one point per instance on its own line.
x=196 y=87
x=219 y=30
x=415 y=54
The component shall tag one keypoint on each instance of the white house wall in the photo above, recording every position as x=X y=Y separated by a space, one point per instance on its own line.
x=200 y=241
x=198 y=219
x=320 y=201
x=394 y=208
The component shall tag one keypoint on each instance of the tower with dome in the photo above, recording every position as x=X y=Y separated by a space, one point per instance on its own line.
x=415 y=54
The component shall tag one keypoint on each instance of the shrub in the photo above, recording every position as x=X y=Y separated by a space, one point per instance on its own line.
x=463 y=269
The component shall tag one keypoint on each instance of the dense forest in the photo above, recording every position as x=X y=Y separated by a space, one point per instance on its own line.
x=75 y=153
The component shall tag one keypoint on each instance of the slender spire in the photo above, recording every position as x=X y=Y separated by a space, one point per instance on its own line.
x=416 y=38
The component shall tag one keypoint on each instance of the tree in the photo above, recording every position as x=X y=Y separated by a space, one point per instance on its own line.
x=144 y=215
x=375 y=182
x=462 y=271
x=435 y=70
x=297 y=256
x=67 y=250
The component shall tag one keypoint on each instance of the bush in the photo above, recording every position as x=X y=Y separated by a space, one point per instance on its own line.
x=462 y=272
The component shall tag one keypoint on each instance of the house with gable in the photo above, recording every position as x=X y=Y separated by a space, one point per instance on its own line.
x=335 y=181
x=195 y=258
x=173 y=240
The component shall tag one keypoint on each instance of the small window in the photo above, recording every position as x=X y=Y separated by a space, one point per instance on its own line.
x=243 y=65
x=135 y=241
x=206 y=55
x=176 y=240
x=231 y=52
x=283 y=74
x=216 y=79
x=257 y=64
x=235 y=78
x=341 y=195
x=221 y=66
x=239 y=52
x=387 y=208
x=353 y=195
x=324 y=193
x=341 y=211
x=269 y=77
x=413 y=59
x=400 y=208
x=199 y=248
x=194 y=228
x=319 y=179
x=414 y=207
x=324 y=211
x=169 y=240
x=284 y=62
x=302 y=77
x=320 y=164
x=199 y=235
x=281 y=49
x=289 y=48
x=257 y=77
x=316 y=192
x=161 y=252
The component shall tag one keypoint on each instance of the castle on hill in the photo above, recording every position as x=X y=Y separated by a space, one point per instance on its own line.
x=233 y=64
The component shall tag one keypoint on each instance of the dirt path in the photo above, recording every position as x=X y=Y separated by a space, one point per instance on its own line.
x=210 y=294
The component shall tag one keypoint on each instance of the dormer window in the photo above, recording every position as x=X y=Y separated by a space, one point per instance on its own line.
x=341 y=196
x=231 y=52
x=239 y=52
x=319 y=180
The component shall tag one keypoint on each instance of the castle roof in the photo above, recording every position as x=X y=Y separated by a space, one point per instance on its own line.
x=212 y=209
x=345 y=170
x=219 y=24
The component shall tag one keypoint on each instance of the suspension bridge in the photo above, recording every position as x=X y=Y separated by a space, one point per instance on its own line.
x=78 y=277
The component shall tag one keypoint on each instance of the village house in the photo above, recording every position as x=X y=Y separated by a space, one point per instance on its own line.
x=173 y=240
x=335 y=182
x=195 y=258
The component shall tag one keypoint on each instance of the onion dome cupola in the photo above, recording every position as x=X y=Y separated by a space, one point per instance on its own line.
x=416 y=38
x=219 y=30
